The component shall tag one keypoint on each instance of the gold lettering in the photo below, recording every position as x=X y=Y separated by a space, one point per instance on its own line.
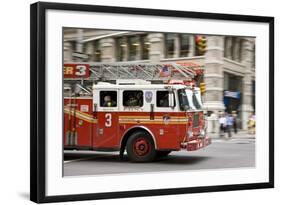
x=68 y=70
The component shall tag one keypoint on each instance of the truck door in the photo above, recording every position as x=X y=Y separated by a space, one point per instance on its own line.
x=106 y=132
x=168 y=139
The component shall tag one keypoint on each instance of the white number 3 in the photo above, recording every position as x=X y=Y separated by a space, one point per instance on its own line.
x=108 y=119
x=81 y=70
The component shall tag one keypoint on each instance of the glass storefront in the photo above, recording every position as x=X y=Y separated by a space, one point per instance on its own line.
x=232 y=95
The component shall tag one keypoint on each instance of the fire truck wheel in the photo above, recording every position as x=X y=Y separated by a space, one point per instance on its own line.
x=140 y=147
x=162 y=153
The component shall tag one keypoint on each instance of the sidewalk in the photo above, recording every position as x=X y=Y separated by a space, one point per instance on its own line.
x=240 y=135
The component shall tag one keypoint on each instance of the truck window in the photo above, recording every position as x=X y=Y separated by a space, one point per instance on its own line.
x=183 y=100
x=162 y=98
x=133 y=98
x=108 y=98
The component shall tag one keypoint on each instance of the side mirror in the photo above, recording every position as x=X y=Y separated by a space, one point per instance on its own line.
x=205 y=112
x=171 y=100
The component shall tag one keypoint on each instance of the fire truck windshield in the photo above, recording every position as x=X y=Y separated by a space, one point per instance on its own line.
x=196 y=99
x=189 y=99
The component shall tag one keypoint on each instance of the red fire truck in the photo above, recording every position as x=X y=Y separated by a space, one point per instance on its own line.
x=146 y=120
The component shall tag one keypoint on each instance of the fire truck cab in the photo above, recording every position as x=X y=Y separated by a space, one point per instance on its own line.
x=147 y=120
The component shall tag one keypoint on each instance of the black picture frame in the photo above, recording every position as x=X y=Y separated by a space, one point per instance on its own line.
x=38 y=100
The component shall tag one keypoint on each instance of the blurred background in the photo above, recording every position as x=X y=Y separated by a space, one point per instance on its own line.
x=228 y=82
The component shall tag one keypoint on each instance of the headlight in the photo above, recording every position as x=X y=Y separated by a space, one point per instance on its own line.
x=202 y=133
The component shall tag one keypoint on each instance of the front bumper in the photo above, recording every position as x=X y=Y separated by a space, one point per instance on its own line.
x=197 y=144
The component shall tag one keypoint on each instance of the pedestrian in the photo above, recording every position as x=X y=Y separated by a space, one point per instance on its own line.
x=229 y=124
x=222 y=121
x=234 y=115
x=252 y=124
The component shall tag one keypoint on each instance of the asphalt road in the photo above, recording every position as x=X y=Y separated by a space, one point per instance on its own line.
x=234 y=153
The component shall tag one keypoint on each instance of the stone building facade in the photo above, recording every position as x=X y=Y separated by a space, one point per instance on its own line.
x=229 y=62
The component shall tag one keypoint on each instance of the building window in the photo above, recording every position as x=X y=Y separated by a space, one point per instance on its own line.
x=131 y=48
x=240 y=50
x=145 y=45
x=170 y=45
x=226 y=52
x=134 y=46
x=133 y=98
x=184 y=45
x=233 y=48
x=108 y=98
x=121 y=48
x=254 y=56
x=97 y=51
x=233 y=45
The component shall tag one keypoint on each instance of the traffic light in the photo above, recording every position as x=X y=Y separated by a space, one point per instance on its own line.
x=201 y=44
x=202 y=88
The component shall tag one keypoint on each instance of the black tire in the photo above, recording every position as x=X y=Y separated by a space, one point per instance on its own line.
x=162 y=153
x=140 y=147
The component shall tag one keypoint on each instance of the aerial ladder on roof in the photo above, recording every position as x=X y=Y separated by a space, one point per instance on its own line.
x=154 y=72
x=146 y=71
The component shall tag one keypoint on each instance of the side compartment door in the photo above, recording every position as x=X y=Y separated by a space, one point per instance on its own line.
x=105 y=133
x=78 y=122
